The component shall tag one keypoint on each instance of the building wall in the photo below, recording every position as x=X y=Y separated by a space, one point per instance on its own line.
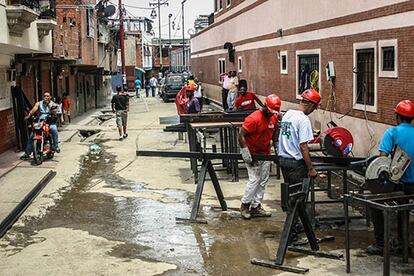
x=66 y=34
x=335 y=40
x=7 y=131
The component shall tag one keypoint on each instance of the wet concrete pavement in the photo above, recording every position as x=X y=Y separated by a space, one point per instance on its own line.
x=115 y=213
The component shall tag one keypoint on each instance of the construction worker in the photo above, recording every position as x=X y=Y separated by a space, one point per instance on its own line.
x=401 y=136
x=256 y=134
x=193 y=106
x=295 y=133
x=246 y=99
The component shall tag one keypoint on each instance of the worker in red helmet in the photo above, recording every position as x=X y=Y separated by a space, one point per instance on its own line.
x=401 y=136
x=256 y=134
x=295 y=134
x=193 y=105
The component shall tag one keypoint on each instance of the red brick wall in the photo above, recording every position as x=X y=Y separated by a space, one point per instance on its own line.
x=261 y=69
x=7 y=131
x=65 y=36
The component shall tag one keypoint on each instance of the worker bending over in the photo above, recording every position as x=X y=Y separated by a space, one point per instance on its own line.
x=256 y=134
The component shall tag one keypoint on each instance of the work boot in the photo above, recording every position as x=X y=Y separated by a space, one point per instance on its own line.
x=244 y=211
x=374 y=249
x=259 y=212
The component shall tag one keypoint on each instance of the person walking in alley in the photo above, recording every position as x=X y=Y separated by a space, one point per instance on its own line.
x=295 y=133
x=44 y=108
x=147 y=87
x=120 y=106
x=233 y=89
x=193 y=105
x=258 y=131
x=246 y=99
x=66 y=102
x=225 y=89
x=138 y=85
x=153 y=84
x=401 y=136
x=198 y=93
x=59 y=120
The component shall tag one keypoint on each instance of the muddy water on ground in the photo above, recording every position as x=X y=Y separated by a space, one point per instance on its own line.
x=149 y=229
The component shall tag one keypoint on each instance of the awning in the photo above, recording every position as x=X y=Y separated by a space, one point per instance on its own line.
x=140 y=69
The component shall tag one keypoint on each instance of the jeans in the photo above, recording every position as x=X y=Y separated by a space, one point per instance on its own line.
x=147 y=89
x=224 y=93
x=256 y=186
x=55 y=139
x=153 y=90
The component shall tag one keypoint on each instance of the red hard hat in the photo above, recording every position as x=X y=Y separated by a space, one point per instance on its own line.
x=190 y=88
x=273 y=103
x=312 y=95
x=405 y=108
x=338 y=141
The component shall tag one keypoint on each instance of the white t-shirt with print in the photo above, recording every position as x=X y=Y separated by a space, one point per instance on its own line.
x=295 y=129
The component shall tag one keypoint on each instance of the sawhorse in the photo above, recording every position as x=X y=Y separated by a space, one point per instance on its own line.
x=298 y=194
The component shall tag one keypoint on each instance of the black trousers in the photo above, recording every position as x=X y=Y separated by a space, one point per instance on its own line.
x=224 y=93
x=378 y=217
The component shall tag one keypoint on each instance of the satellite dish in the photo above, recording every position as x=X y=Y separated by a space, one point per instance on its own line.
x=109 y=11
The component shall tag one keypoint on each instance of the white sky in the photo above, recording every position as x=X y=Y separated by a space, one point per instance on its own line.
x=192 y=8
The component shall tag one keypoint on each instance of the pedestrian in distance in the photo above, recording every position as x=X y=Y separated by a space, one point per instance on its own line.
x=193 y=105
x=401 y=136
x=295 y=134
x=153 y=84
x=225 y=89
x=246 y=99
x=138 y=85
x=120 y=106
x=198 y=93
x=59 y=120
x=66 y=103
x=147 y=87
x=258 y=131
x=233 y=89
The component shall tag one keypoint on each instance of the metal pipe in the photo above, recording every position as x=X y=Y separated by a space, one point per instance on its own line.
x=169 y=38
x=182 y=13
x=159 y=32
x=122 y=45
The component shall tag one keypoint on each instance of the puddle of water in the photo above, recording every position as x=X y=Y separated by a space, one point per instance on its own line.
x=222 y=247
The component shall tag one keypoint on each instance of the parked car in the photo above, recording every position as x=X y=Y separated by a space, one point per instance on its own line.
x=172 y=85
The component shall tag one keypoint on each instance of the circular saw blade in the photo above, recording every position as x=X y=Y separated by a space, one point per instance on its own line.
x=377 y=166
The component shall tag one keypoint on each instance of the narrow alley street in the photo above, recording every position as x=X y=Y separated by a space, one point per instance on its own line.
x=108 y=212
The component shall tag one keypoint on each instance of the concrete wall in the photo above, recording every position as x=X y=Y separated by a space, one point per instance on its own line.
x=253 y=18
x=27 y=43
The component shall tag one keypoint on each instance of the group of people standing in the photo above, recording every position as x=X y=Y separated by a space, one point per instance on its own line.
x=290 y=135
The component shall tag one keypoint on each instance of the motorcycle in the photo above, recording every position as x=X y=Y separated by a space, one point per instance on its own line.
x=42 y=141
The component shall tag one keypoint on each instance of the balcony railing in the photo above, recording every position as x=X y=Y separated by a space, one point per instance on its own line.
x=46 y=8
x=33 y=4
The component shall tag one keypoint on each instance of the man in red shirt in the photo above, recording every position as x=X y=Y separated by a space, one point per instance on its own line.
x=256 y=134
x=246 y=99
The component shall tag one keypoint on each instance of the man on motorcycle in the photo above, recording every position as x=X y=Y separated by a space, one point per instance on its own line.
x=44 y=107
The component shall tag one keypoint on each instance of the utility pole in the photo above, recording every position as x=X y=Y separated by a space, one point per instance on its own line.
x=169 y=38
x=159 y=4
x=183 y=24
x=121 y=35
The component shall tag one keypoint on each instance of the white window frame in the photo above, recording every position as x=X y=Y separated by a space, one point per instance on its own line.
x=240 y=64
x=228 y=3
x=388 y=43
x=307 y=52
x=366 y=45
x=222 y=5
x=219 y=61
x=285 y=71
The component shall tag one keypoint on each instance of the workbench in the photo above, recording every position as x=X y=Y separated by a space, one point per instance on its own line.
x=381 y=202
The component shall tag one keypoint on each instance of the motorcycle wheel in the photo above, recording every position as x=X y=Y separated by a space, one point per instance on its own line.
x=37 y=153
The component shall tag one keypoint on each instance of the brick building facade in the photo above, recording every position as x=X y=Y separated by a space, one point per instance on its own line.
x=369 y=44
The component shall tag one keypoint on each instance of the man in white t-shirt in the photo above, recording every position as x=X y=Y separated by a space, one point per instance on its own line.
x=295 y=133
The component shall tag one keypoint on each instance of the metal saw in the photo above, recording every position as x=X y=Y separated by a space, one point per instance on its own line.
x=384 y=172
